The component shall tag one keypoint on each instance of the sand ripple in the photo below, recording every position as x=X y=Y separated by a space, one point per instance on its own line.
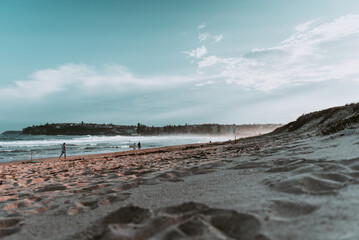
x=321 y=177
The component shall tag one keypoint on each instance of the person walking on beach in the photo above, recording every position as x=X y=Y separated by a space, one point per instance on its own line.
x=63 y=151
x=139 y=145
x=134 y=146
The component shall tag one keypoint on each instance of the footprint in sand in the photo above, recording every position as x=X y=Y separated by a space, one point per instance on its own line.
x=289 y=209
x=170 y=176
x=186 y=221
x=18 y=204
x=353 y=164
x=9 y=226
x=51 y=187
x=305 y=183
x=312 y=178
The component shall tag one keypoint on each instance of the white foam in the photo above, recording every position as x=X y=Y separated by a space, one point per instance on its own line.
x=111 y=139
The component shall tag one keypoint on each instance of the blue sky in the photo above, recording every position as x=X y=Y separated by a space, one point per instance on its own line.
x=175 y=62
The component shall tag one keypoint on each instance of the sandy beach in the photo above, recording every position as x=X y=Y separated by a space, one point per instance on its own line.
x=285 y=185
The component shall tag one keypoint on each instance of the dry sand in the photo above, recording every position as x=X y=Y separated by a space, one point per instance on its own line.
x=283 y=186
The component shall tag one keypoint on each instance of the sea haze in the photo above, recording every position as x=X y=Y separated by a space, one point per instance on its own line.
x=14 y=147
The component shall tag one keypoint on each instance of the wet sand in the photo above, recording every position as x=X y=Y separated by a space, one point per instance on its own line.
x=277 y=186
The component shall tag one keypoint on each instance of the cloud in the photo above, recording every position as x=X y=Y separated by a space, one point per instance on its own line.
x=315 y=52
x=339 y=28
x=85 y=79
x=202 y=25
x=212 y=60
x=197 y=53
x=218 y=38
x=203 y=36
x=305 y=26
x=206 y=36
x=308 y=41
x=209 y=82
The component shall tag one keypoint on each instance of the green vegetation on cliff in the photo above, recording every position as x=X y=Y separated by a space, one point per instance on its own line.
x=140 y=129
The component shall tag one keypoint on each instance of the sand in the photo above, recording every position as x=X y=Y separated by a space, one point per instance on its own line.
x=276 y=186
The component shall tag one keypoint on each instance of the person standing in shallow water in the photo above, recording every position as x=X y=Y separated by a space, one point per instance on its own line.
x=63 y=151
x=139 y=145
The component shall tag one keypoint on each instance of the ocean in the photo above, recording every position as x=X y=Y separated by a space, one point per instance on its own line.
x=16 y=147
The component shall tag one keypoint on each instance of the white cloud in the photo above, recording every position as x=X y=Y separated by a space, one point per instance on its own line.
x=203 y=36
x=305 y=26
x=85 y=79
x=307 y=40
x=314 y=52
x=212 y=60
x=339 y=28
x=202 y=25
x=209 y=82
x=259 y=49
x=218 y=38
x=197 y=53
x=206 y=36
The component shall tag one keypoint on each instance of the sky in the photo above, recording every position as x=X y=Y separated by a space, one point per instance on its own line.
x=174 y=62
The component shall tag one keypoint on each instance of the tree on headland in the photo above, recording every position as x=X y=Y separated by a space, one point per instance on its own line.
x=141 y=129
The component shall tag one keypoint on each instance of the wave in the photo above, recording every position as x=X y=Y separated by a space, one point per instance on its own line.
x=14 y=151
x=104 y=139
x=50 y=146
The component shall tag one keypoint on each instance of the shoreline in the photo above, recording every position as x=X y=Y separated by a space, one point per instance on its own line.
x=78 y=148
x=121 y=153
